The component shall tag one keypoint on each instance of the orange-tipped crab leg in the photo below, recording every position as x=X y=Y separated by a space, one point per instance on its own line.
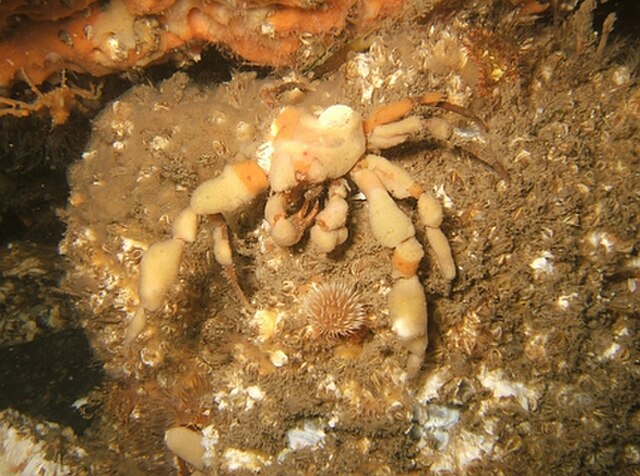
x=376 y=176
x=236 y=186
x=401 y=185
x=395 y=111
x=386 y=128
x=392 y=228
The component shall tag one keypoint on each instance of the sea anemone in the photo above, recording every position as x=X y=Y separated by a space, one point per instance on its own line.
x=333 y=310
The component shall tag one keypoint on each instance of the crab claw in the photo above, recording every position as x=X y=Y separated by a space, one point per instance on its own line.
x=287 y=231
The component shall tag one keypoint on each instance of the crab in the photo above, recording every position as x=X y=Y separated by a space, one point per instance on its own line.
x=311 y=151
x=58 y=102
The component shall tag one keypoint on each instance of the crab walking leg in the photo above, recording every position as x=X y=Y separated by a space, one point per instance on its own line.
x=407 y=302
x=223 y=255
x=330 y=228
x=283 y=230
x=386 y=128
x=237 y=185
x=430 y=212
x=408 y=310
x=159 y=269
x=389 y=135
x=401 y=185
x=395 y=111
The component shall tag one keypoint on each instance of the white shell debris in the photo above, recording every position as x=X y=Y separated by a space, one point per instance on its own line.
x=564 y=301
x=255 y=393
x=543 y=264
x=210 y=440
x=236 y=459
x=159 y=143
x=455 y=448
x=310 y=435
x=438 y=420
x=278 y=358
x=238 y=396
x=26 y=447
x=433 y=384
x=440 y=193
x=601 y=238
x=610 y=352
x=464 y=448
x=527 y=397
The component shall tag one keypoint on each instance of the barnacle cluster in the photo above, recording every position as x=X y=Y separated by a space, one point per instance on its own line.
x=29 y=446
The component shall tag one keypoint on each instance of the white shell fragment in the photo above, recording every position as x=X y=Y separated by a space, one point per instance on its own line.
x=278 y=358
x=543 y=264
x=310 y=435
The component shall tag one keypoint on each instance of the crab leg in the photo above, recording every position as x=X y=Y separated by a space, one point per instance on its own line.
x=159 y=269
x=386 y=128
x=223 y=255
x=15 y=108
x=401 y=185
x=330 y=228
x=237 y=185
x=407 y=302
x=287 y=230
x=395 y=111
x=376 y=176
